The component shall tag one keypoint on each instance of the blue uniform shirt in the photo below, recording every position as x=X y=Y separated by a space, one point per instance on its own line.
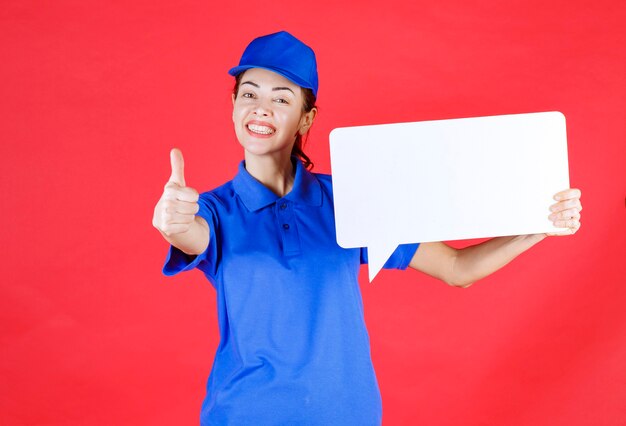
x=293 y=344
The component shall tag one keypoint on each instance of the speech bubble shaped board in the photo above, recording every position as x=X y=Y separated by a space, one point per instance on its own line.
x=446 y=180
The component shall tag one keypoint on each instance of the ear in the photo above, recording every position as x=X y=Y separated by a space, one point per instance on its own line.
x=233 y=115
x=307 y=121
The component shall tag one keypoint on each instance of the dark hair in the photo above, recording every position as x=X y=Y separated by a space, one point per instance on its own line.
x=309 y=104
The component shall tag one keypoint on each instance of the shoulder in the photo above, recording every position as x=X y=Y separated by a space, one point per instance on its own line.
x=325 y=180
x=219 y=196
x=323 y=177
x=326 y=184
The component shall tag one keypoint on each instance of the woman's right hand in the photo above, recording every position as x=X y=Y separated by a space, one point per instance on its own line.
x=175 y=213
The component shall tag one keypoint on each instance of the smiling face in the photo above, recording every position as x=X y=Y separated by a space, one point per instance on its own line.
x=268 y=113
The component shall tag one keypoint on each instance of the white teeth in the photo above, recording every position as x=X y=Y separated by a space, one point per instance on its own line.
x=264 y=130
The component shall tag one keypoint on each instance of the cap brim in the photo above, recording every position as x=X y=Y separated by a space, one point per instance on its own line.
x=238 y=70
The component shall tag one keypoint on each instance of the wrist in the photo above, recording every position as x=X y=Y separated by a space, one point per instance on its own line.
x=535 y=238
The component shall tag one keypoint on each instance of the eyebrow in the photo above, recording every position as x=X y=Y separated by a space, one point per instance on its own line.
x=273 y=89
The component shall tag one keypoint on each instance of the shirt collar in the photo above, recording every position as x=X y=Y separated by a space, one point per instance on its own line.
x=306 y=188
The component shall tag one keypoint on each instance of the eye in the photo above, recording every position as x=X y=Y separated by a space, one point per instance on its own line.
x=282 y=101
x=247 y=95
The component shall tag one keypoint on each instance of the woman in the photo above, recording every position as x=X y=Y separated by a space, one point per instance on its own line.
x=293 y=344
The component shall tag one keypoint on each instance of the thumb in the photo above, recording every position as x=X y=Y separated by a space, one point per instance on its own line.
x=178 y=166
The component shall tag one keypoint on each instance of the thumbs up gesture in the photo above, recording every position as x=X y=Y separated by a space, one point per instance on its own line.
x=175 y=212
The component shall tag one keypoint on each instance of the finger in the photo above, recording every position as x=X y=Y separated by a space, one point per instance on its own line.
x=575 y=226
x=187 y=208
x=567 y=194
x=567 y=204
x=177 y=218
x=182 y=207
x=174 y=192
x=565 y=214
x=187 y=194
x=178 y=165
x=569 y=223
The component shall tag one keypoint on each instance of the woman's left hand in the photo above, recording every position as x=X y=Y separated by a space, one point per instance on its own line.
x=566 y=212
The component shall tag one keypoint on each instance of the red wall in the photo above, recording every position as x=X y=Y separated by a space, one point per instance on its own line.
x=93 y=96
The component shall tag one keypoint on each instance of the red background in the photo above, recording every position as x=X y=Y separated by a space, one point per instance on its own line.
x=94 y=94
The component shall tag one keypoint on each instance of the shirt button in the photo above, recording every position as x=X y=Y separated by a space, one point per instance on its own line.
x=285 y=226
x=283 y=206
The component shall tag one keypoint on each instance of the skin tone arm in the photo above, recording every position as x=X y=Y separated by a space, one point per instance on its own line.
x=463 y=267
x=175 y=213
x=175 y=218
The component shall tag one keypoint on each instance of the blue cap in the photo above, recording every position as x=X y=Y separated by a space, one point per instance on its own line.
x=283 y=54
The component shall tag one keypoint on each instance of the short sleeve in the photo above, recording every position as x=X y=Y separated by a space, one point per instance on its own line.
x=177 y=261
x=400 y=258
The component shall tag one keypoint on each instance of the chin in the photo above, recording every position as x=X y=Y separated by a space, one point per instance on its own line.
x=261 y=146
x=256 y=148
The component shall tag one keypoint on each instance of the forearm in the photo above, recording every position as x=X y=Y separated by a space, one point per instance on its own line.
x=194 y=241
x=476 y=262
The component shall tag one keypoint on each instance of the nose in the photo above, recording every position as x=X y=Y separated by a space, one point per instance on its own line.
x=263 y=108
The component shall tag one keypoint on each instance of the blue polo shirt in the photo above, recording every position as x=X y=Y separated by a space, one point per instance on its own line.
x=293 y=347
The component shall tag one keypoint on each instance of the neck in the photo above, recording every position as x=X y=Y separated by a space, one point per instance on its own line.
x=276 y=173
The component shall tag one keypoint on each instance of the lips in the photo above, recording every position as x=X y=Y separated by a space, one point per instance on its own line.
x=260 y=128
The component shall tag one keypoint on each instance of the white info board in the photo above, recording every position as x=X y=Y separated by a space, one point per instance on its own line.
x=446 y=180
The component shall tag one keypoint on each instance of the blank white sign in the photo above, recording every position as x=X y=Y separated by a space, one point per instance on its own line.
x=446 y=180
